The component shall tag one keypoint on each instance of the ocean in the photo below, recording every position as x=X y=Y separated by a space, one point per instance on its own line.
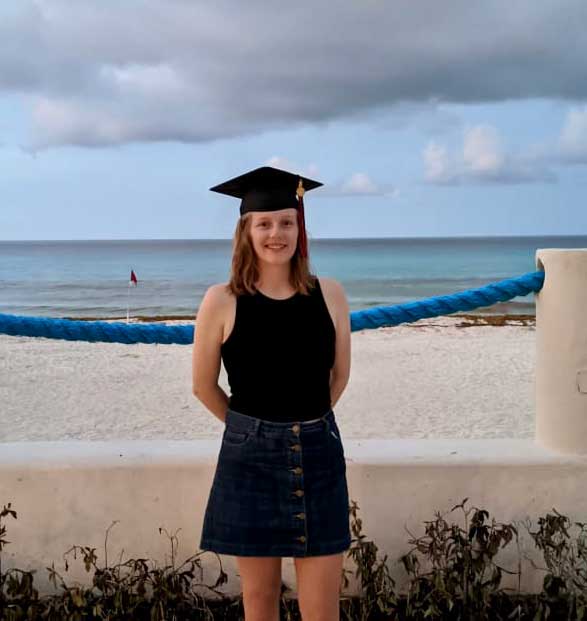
x=90 y=279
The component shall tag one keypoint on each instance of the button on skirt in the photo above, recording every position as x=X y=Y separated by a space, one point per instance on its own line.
x=279 y=489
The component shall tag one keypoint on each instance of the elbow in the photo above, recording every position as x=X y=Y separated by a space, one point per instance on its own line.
x=198 y=390
x=339 y=379
x=197 y=385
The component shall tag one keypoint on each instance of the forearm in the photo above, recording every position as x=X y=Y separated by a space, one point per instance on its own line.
x=215 y=399
x=337 y=386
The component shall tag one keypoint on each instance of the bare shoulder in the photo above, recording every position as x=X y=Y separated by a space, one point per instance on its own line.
x=220 y=293
x=335 y=298
x=219 y=309
x=332 y=288
x=215 y=300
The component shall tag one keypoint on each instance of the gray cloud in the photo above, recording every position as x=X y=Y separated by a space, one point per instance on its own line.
x=175 y=70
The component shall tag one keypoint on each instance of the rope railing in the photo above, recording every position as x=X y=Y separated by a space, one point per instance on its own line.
x=469 y=299
x=376 y=317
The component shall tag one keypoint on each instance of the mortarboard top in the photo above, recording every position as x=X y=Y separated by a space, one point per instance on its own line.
x=266 y=189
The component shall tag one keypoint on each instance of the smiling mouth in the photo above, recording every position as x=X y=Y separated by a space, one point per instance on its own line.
x=276 y=247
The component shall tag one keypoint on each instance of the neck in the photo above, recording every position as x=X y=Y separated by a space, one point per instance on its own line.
x=274 y=278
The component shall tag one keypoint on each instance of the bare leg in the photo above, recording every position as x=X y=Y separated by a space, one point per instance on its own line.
x=261 y=586
x=318 y=583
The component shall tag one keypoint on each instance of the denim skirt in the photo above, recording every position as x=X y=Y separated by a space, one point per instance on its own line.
x=279 y=489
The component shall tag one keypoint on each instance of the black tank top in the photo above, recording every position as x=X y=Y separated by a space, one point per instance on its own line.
x=279 y=355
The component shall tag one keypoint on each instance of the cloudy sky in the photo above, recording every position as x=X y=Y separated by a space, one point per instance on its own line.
x=421 y=118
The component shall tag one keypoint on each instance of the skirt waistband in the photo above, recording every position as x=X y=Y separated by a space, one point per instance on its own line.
x=244 y=422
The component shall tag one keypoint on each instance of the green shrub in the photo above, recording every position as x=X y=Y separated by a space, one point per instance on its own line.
x=462 y=580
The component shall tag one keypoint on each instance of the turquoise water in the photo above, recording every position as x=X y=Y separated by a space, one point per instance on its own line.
x=90 y=278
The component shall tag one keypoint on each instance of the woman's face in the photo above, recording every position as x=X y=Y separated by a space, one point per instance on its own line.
x=274 y=234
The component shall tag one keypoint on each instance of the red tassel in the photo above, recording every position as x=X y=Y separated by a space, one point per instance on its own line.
x=302 y=238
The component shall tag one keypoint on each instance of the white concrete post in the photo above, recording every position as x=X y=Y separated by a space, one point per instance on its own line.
x=561 y=350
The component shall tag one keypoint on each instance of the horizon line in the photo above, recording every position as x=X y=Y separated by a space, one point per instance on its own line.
x=311 y=239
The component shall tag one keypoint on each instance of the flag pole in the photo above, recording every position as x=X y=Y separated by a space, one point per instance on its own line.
x=128 y=301
x=133 y=280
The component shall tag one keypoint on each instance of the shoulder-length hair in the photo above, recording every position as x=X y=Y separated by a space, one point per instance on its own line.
x=244 y=270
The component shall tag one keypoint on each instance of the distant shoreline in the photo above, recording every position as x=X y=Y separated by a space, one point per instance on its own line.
x=468 y=319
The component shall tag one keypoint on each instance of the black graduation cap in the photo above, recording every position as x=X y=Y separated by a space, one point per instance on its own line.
x=271 y=189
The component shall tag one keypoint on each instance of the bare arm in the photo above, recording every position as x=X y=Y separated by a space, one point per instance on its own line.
x=206 y=353
x=340 y=373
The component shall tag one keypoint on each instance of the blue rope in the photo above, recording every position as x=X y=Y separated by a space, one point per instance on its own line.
x=446 y=304
x=379 y=316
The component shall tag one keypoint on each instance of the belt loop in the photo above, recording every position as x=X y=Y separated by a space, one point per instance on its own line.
x=256 y=427
x=325 y=416
x=326 y=421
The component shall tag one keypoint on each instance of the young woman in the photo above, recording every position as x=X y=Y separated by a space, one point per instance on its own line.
x=279 y=489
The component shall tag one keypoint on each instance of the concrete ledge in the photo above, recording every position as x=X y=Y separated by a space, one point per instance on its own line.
x=67 y=454
x=68 y=493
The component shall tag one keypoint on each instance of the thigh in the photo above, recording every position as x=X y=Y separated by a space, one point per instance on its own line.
x=260 y=578
x=318 y=584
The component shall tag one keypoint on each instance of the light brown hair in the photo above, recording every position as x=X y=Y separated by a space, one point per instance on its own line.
x=244 y=270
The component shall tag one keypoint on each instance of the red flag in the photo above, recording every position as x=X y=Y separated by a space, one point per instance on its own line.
x=133 y=277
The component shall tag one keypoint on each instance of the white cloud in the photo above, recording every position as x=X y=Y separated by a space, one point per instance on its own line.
x=482 y=160
x=482 y=151
x=357 y=184
x=573 y=137
x=437 y=165
x=278 y=161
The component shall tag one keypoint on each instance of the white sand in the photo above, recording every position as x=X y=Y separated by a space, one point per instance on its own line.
x=420 y=380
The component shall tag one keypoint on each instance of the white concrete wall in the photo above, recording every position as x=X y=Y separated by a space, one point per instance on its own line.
x=68 y=493
x=561 y=350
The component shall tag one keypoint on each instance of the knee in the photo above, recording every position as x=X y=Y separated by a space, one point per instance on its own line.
x=261 y=602
x=319 y=608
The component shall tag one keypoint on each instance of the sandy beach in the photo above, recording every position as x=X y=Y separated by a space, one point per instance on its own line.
x=446 y=377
